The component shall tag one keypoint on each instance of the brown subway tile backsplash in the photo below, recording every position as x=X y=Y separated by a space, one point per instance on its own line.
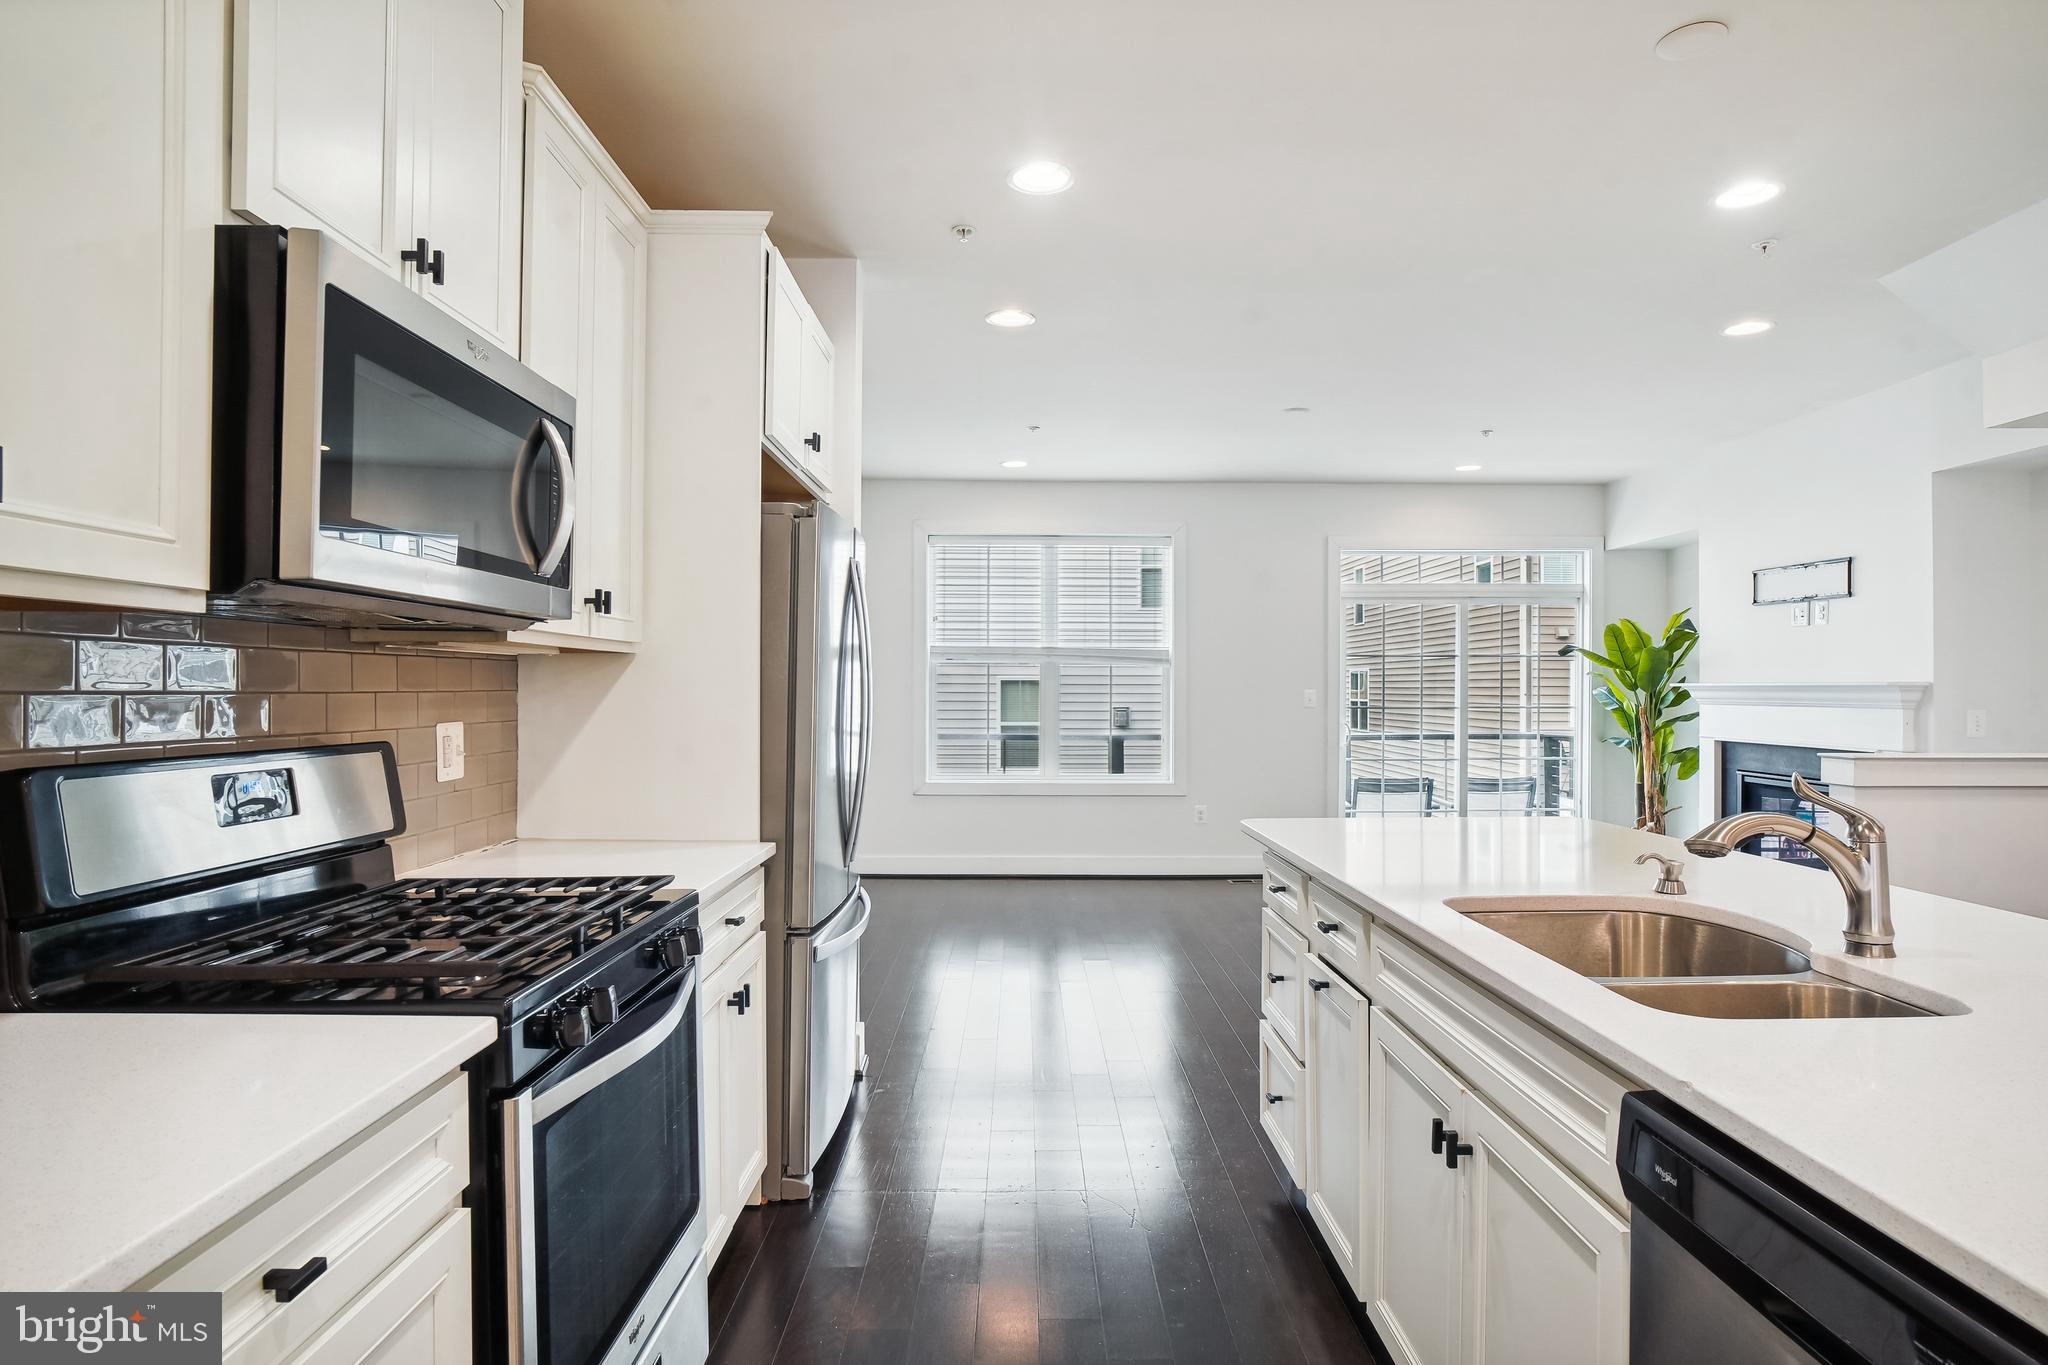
x=89 y=686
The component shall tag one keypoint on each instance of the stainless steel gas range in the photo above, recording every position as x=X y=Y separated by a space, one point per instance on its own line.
x=263 y=883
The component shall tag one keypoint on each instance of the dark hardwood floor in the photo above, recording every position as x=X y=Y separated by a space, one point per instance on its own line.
x=1055 y=1155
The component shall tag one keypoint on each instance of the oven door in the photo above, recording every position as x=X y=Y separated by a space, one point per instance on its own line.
x=419 y=463
x=604 y=1189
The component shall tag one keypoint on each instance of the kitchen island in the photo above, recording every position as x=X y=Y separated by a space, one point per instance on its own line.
x=1925 y=1127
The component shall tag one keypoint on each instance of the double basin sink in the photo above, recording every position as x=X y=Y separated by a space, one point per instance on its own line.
x=1679 y=964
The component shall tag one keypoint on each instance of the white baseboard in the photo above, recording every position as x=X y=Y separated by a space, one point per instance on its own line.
x=1058 y=865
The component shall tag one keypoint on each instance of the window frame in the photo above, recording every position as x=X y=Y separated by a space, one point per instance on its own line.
x=1340 y=591
x=1173 y=728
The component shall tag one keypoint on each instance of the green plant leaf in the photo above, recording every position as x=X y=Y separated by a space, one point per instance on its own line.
x=1687 y=762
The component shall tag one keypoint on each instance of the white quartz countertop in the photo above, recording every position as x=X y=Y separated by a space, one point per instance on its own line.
x=1930 y=1129
x=706 y=867
x=129 y=1137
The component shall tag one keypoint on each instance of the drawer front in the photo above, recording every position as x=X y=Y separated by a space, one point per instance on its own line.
x=1282 y=955
x=1339 y=933
x=1567 y=1102
x=728 y=920
x=1282 y=1111
x=361 y=1209
x=1286 y=894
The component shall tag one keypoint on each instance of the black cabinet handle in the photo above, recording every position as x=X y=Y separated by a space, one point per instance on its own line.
x=1328 y=926
x=737 y=1000
x=288 y=1283
x=1275 y=977
x=1279 y=890
x=417 y=257
x=735 y=920
x=600 y=601
x=1271 y=1098
x=1436 y=1137
x=815 y=441
x=437 y=269
x=1316 y=985
x=1453 y=1149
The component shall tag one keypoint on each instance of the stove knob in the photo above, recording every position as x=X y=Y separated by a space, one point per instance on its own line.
x=573 y=1028
x=674 y=953
x=693 y=939
x=604 y=1005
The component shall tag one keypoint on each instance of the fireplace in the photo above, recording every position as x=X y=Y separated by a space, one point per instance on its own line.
x=1759 y=777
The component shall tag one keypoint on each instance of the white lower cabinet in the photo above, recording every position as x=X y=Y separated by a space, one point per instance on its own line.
x=1283 y=1102
x=378 y=1238
x=733 y=1022
x=1339 y=1024
x=1415 y=1237
x=1283 y=954
x=1481 y=1247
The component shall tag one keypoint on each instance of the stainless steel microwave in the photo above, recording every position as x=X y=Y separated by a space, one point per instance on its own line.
x=375 y=462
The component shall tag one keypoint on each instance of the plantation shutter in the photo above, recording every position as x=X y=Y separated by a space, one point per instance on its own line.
x=1050 y=658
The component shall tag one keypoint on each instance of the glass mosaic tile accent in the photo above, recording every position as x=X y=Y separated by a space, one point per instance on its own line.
x=202 y=668
x=116 y=666
x=69 y=722
x=151 y=719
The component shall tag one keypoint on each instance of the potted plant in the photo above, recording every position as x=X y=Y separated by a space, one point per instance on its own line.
x=1639 y=682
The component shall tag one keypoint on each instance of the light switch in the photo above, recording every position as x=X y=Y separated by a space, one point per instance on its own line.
x=448 y=751
x=1802 y=612
x=1975 y=723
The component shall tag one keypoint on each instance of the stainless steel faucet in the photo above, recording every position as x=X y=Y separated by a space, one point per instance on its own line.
x=1863 y=870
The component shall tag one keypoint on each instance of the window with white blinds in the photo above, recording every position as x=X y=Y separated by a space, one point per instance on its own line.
x=1050 y=659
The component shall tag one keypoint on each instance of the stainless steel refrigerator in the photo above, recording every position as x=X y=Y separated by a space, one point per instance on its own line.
x=816 y=706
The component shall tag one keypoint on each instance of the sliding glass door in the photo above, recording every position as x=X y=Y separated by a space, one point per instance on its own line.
x=1456 y=694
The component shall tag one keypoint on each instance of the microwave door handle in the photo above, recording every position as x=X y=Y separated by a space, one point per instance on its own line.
x=558 y=545
x=522 y=467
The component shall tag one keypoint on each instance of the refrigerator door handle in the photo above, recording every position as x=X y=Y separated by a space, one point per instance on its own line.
x=867 y=706
x=857 y=924
x=842 y=718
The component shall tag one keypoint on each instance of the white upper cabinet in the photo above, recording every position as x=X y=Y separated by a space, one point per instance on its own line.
x=110 y=129
x=584 y=327
x=389 y=123
x=796 y=415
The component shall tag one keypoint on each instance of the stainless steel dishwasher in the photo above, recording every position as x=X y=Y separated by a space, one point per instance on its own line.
x=1735 y=1263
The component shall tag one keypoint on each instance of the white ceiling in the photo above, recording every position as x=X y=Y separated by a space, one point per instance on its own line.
x=1416 y=219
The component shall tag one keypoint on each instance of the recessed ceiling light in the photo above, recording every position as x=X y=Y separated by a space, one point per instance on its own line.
x=1747 y=194
x=1466 y=469
x=1688 y=41
x=1009 y=317
x=1041 y=177
x=1748 y=327
x=1013 y=464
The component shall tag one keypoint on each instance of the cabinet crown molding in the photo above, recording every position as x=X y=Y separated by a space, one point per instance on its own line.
x=709 y=222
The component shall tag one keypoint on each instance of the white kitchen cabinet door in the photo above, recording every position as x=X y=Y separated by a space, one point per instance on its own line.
x=1546 y=1264
x=460 y=65
x=554 y=333
x=814 y=423
x=1283 y=1100
x=321 y=134
x=743 y=1100
x=1338 y=1029
x=417 y=1313
x=612 y=535
x=1283 y=995
x=782 y=411
x=110 y=130
x=1415 y=1224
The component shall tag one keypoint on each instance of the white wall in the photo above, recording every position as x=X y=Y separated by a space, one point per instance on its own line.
x=1990 y=609
x=1853 y=479
x=665 y=743
x=1255 y=580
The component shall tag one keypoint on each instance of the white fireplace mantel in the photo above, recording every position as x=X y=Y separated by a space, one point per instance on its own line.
x=1852 y=716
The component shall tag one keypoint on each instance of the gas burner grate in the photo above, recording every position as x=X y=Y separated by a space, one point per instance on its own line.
x=430 y=939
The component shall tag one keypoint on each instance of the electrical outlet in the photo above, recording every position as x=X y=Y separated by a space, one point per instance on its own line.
x=1820 y=613
x=1201 y=815
x=448 y=751
x=1975 y=723
x=1802 y=612
x=1308 y=697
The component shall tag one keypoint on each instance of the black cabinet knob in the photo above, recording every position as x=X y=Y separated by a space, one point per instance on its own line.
x=437 y=267
x=1272 y=1098
x=1275 y=977
x=737 y=1000
x=1453 y=1149
x=816 y=442
x=417 y=257
x=735 y=920
x=288 y=1282
x=1436 y=1137
x=1316 y=985
x=1278 y=890
x=1328 y=926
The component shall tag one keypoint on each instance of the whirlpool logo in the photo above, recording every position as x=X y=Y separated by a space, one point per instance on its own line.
x=162 y=1329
